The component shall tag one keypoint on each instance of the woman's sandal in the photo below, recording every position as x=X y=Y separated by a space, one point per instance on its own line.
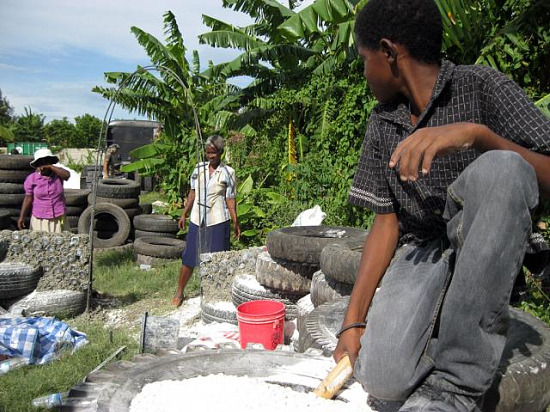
x=177 y=301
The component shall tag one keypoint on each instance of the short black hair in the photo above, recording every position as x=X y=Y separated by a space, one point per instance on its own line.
x=415 y=24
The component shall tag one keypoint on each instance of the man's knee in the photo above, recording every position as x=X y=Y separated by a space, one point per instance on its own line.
x=388 y=379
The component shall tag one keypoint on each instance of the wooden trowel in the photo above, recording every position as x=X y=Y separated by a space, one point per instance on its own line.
x=335 y=379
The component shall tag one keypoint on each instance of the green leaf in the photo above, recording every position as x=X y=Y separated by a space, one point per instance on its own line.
x=243 y=208
x=142 y=165
x=250 y=232
x=246 y=187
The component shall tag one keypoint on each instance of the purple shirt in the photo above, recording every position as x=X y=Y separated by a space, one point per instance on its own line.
x=48 y=196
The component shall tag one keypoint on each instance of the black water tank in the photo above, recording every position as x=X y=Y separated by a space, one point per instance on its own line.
x=129 y=135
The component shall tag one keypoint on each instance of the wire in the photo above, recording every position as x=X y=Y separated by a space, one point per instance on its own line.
x=101 y=143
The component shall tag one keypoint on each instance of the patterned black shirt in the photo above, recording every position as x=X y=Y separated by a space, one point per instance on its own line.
x=475 y=94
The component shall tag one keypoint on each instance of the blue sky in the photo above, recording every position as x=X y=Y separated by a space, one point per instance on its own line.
x=53 y=52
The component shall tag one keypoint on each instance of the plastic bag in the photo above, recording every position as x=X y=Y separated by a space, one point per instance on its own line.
x=310 y=217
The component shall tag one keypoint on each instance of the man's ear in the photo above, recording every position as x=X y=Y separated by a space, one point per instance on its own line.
x=389 y=49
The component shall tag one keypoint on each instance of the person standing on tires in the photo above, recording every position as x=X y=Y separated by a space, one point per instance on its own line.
x=44 y=192
x=109 y=169
x=452 y=164
x=212 y=203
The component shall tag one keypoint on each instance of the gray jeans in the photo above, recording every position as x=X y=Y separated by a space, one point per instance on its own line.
x=441 y=313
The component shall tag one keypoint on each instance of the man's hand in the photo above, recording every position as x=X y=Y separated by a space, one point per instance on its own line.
x=348 y=344
x=237 y=228
x=21 y=223
x=181 y=223
x=418 y=150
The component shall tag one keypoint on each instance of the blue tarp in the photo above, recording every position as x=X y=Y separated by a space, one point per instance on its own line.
x=36 y=340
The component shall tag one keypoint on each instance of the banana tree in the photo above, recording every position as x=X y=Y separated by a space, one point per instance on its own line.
x=171 y=90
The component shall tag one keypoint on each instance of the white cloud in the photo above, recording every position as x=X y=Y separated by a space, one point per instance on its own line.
x=101 y=25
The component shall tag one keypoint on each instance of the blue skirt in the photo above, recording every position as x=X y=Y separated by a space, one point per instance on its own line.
x=213 y=238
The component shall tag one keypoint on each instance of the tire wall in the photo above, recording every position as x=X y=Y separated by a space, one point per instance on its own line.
x=63 y=257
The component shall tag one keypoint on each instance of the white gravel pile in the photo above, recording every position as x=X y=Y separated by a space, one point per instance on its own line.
x=236 y=394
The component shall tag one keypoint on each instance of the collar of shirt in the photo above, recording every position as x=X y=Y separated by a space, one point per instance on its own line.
x=398 y=111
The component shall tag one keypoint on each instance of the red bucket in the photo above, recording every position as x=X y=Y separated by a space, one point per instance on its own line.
x=261 y=321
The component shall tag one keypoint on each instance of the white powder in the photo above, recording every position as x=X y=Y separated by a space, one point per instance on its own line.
x=237 y=394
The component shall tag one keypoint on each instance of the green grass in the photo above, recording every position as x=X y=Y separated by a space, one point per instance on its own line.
x=150 y=197
x=117 y=275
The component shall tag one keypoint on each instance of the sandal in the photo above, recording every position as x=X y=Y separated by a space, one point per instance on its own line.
x=177 y=301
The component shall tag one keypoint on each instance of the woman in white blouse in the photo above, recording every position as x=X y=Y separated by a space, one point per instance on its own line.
x=212 y=204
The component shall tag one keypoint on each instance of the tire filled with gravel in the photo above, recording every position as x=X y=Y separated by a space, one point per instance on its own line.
x=220 y=312
x=284 y=276
x=18 y=279
x=324 y=289
x=59 y=303
x=304 y=243
x=246 y=288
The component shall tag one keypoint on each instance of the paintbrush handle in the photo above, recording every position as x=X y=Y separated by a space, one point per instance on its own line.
x=335 y=379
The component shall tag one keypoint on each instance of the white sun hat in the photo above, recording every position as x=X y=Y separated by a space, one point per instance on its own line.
x=44 y=154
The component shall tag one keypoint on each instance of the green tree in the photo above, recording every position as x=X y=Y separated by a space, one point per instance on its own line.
x=87 y=131
x=59 y=133
x=6 y=111
x=29 y=127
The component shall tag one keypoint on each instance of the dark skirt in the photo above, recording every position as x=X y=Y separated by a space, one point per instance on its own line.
x=213 y=238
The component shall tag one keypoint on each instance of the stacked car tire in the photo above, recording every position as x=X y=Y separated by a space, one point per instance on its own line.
x=76 y=201
x=121 y=192
x=285 y=271
x=14 y=169
x=116 y=204
x=155 y=225
x=155 y=239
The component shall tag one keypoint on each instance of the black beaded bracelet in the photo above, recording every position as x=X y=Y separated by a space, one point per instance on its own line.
x=350 y=326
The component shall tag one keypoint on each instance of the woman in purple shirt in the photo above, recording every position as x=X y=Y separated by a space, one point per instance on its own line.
x=44 y=191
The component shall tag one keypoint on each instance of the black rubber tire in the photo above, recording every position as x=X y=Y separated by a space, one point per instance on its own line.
x=156 y=223
x=319 y=328
x=341 y=261
x=5 y=219
x=76 y=197
x=72 y=221
x=15 y=162
x=113 y=388
x=132 y=213
x=115 y=249
x=305 y=243
x=11 y=199
x=113 y=212
x=125 y=203
x=220 y=312
x=75 y=210
x=13 y=211
x=59 y=303
x=11 y=188
x=146 y=208
x=160 y=247
x=144 y=233
x=246 y=288
x=3 y=248
x=325 y=289
x=284 y=276
x=522 y=381
x=118 y=188
x=13 y=176
x=18 y=279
